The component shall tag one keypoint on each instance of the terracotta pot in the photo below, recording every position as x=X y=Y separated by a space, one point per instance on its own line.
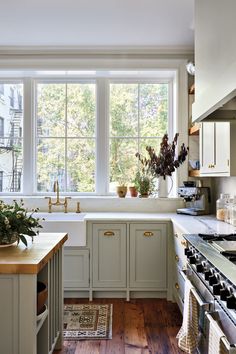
x=144 y=195
x=121 y=191
x=133 y=192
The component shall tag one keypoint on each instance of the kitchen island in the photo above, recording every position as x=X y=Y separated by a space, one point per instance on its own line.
x=21 y=330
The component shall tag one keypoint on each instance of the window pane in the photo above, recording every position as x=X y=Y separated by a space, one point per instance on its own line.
x=81 y=165
x=154 y=143
x=81 y=109
x=123 y=109
x=11 y=163
x=51 y=110
x=123 y=163
x=11 y=124
x=153 y=109
x=50 y=164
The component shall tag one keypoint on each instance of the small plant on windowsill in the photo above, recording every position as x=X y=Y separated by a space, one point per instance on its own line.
x=16 y=222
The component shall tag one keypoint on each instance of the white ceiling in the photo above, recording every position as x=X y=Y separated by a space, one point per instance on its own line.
x=97 y=23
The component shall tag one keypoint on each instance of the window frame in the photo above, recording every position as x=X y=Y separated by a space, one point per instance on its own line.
x=29 y=186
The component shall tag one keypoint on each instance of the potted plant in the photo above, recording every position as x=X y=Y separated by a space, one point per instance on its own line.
x=121 y=190
x=143 y=183
x=15 y=222
x=133 y=191
x=164 y=163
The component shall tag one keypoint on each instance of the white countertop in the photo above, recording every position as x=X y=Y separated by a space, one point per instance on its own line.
x=188 y=224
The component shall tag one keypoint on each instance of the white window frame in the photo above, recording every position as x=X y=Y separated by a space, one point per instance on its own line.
x=177 y=104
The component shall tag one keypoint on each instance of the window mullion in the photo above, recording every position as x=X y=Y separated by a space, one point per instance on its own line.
x=29 y=142
x=102 y=141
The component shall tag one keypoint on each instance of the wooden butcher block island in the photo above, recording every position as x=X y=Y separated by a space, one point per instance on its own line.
x=21 y=330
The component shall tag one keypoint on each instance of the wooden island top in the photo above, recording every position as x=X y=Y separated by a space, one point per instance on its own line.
x=30 y=260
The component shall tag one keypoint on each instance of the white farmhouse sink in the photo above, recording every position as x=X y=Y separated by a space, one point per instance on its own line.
x=71 y=223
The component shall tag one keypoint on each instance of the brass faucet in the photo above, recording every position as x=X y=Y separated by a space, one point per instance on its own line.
x=57 y=202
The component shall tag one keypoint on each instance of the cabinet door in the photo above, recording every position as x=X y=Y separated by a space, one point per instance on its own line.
x=207 y=142
x=76 y=268
x=109 y=255
x=148 y=255
x=222 y=147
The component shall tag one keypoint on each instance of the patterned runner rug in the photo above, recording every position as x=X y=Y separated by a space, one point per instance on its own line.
x=87 y=321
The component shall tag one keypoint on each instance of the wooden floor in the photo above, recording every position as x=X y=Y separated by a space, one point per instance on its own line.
x=139 y=326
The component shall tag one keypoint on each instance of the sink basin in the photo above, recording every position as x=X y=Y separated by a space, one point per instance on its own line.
x=71 y=223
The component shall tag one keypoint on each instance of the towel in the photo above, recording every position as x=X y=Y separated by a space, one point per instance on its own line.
x=188 y=333
x=215 y=344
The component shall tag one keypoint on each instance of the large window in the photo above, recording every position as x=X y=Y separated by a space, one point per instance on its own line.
x=11 y=141
x=66 y=117
x=138 y=118
x=82 y=129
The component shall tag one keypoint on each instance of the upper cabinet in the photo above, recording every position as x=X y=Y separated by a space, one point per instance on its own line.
x=215 y=53
x=217 y=148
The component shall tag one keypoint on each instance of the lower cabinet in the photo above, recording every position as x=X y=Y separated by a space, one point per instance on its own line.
x=109 y=255
x=148 y=256
x=76 y=268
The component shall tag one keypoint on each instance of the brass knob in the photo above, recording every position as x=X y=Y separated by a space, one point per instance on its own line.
x=184 y=243
x=109 y=233
x=177 y=286
x=177 y=258
x=148 y=234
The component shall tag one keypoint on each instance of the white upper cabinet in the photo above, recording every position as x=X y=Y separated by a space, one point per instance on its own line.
x=215 y=53
x=217 y=148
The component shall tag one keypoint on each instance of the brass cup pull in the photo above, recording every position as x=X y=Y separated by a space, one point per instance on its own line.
x=109 y=233
x=148 y=233
x=177 y=258
x=177 y=286
x=184 y=243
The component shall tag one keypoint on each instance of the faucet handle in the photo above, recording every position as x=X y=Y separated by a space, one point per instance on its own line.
x=65 y=203
x=49 y=203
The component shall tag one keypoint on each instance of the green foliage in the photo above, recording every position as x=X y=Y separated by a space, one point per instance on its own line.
x=15 y=222
x=143 y=183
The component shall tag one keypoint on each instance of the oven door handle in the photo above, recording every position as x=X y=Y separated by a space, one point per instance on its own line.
x=231 y=348
x=201 y=303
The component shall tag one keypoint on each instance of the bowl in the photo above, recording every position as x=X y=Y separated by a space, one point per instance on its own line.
x=42 y=295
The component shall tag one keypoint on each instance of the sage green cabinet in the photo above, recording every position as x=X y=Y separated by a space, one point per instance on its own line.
x=148 y=255
x=109 y=255
x=76 y=268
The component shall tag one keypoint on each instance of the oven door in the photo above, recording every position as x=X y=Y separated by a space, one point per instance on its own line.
x=222 y=326
x=205 y=302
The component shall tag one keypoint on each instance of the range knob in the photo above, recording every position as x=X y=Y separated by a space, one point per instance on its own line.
x=199 y=267
x=207 y=274
x=216 y=288
x=224 y=293
x=192 y=259
x=213 y=279
x=231 y=302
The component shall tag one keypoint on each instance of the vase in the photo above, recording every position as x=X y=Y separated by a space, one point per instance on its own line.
x=133 y=192
x=165 y=186
x=121 y=191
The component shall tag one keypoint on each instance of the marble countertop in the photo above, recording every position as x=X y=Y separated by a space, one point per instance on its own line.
x=188 y=224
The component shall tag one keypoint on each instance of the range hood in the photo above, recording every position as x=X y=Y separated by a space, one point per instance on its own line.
x=222 y=109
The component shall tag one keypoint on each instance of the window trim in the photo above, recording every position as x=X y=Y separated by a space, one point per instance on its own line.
x=178 y=110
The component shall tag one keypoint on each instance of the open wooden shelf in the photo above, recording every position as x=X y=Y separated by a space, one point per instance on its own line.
x=194 y=173
x=194 y=130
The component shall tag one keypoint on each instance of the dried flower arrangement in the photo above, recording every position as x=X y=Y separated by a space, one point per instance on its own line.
x=165 y=163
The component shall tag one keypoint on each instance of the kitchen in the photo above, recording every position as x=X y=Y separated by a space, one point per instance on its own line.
x=38 y=65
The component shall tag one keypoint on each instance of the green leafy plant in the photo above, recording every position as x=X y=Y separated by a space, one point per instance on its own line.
x=16 y=221
x=166 y=161
x=143 y=183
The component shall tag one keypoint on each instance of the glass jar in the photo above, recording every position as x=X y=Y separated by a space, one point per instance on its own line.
x=233 y=212
x=228 y=209
x=221 y=207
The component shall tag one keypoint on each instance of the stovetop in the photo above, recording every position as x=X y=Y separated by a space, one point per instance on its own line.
x=224 y=261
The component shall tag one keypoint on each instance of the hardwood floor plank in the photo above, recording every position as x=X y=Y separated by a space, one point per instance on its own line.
x=141 y=326
x=135 y=336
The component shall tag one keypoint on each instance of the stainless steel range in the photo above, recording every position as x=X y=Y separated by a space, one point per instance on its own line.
x=211 y=268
